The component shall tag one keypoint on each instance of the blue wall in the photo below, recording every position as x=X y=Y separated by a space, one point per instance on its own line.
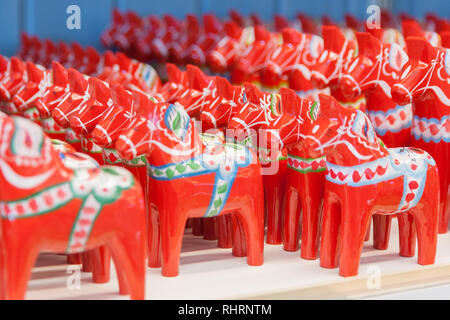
x=47 y=18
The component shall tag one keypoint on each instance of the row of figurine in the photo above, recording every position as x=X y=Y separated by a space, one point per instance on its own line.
x=322 y=152
x=244 y=47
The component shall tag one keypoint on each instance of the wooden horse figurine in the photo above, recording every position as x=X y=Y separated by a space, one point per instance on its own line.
x=332 y=65
x=373 y=72
x=255 y=58
x=304 y=180
x=12 y=82
x=259 y=108
x=45 y=205
x=227 y=52
x=365 y=178
x=201 y=91
x=425 y=83
x=195 y=177
x=57 y=94
x=291 y=64
x=218 y=113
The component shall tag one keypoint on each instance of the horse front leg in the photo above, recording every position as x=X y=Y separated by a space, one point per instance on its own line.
x=381 y=231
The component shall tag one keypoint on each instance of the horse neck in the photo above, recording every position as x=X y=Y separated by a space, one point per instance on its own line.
x=163 y=152
x=340 y=155
x=15 y=185
x=433 y=98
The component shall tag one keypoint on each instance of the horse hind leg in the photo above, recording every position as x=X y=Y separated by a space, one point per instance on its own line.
x=426 y=218
x=252 y=219
x=381 y=231
x=101 y=264
x=407 y=234
x=129 y=258
x=16 y=264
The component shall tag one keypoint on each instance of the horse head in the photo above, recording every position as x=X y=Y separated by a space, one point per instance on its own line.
x=200 y=92
x=331 y=63
x=377 y=64
x=166 y=129
x=347 y=135
x=79 y=96
x=126 y=109
x=259 y=109
x=426 y=72
x=39 y=80
x=87 y=117
x=227 y=50
x=14 y=81
x=175 y=86
x=56 y=94
x=219 y=112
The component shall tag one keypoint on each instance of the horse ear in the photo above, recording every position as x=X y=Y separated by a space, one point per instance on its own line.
x=192 y=24
x=329 y=106
x=34 y=73
x=77 y=82
x=252 y=93
x=411 y=28
x=376 y=32
x=121 y=96
x=211 y=24
x=17 y=65
x=445 y=39
x=99 y=90
x=3 y=64
x=93 y=55
x=78 y=51
x=290 y=101
x=333 y=39
x=59 y=74
x=224 y=88
x=118 y=18
x=327 y=21
x=368 y=45
x=308 y=24
x=233 y=30
x=261 y=33
x=416 y=48
x=143 y=103
x=351 y=21
x=25 y=39
x=123 y=61
x=196 y=78
x=280 y=22
x=174 y=74
x=109 y=59
x=50 y=46
x=256 y=20
x=237 y=18
x=291 y=36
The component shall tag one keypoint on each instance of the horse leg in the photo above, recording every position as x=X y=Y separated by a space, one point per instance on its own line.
x=209 y=229
x=252 y=221
x=197 y=226
x=101 y=264
x=17 y=261
x=274 y=214
x=291 y=220
x=87 y=261
x=239 y=241
x=74 y=258
x=356 y=215
x=225 y=231
x=172 y=230
x=129 y=257
x=381 y=231
x=426 y=218
x=331 y=225
x=407 y=234
x=154 y=239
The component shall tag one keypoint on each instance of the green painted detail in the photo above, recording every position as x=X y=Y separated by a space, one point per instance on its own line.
x=307 y=170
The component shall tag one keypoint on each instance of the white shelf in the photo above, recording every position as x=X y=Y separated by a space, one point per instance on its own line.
x=208 y=272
